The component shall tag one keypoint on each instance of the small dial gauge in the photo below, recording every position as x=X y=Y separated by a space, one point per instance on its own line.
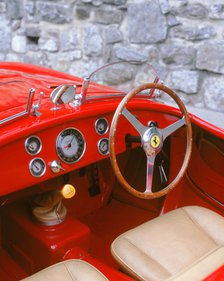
x=101 y=126
x=37 y=167
x=33 y=145
x=70 y=145
x=103 y=146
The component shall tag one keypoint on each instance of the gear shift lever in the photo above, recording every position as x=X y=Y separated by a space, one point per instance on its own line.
x=48 y=208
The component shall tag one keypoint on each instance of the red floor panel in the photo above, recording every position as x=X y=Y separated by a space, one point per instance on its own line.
x=9 y=270
x=105 y=225
x=109 y=222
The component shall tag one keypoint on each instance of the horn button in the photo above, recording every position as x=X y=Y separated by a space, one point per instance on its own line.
x=152 y=141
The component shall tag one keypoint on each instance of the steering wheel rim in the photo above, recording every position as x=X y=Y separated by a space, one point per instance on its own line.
x=121 y=109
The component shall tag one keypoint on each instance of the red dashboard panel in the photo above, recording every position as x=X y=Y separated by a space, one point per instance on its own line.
x=16 y=161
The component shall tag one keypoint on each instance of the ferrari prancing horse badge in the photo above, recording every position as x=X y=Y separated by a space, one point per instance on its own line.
x=155 y=141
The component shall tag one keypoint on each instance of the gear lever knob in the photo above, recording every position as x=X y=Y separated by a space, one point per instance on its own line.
x=68 y=191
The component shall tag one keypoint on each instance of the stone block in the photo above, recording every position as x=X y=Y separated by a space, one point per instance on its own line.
x=193 y=33
x=112 y=34
x=69 y=39
x=15 y=9
x=125 y=53
x=185 y=81
x=146 y=23
x=178 y=54
x=117 y=74
x=213 y=90
x=58 y=13
x=93 y=43
x=3 y=7
x=108 y=16
x=19 y=44
x=177 y=3
x=194 y=11
x=216 y=12
x=30 y=8
x=210 y=56
x=82 y=12
x=49 y=42
x=5 y=35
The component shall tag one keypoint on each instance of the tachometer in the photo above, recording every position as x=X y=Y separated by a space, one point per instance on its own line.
x=70 y=145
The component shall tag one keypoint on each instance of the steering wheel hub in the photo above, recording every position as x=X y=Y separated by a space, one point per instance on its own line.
x=151 y=141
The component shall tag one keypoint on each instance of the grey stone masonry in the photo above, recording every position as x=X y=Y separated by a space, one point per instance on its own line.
x=146 y=23
x=183 y=40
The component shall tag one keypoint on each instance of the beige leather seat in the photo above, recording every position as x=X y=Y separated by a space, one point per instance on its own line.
x=70 y=270
x=185 y=244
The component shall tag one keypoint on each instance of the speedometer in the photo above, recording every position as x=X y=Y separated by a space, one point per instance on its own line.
x=70 y=145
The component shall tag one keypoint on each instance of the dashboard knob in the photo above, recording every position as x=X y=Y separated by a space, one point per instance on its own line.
x=68 y=191
x=56 y=166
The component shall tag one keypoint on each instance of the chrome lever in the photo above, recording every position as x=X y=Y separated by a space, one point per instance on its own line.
x=35 y=107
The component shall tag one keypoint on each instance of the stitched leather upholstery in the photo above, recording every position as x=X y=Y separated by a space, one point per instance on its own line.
x=202 y=268
x=70 y=270
x=162 y=248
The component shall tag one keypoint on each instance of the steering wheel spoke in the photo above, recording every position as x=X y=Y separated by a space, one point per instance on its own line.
x=149 y=173
x=134 y=121
x=173 y=127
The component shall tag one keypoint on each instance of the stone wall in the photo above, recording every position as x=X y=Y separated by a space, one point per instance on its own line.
x=182 y=39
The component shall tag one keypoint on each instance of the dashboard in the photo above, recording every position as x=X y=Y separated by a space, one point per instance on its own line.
x=62 y=147
x=53 y=151
x=70 y=147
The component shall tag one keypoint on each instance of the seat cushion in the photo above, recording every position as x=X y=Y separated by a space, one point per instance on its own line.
x=163 y=247
x=70 y=270
x=202 y=267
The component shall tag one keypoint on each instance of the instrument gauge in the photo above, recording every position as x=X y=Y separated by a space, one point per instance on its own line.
x=33 y=145
x=103 y=146
x=37 y=167
x=101 y=126
x=70 y=145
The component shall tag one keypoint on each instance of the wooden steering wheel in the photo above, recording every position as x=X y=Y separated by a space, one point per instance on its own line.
x=152 y=139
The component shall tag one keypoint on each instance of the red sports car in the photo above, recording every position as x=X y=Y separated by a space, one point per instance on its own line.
x=106 y=184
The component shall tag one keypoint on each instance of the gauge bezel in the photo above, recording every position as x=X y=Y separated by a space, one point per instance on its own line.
x=31 y=170
x=39 y=148
x=98 y=145
x=107 y=127
x=73 y=159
